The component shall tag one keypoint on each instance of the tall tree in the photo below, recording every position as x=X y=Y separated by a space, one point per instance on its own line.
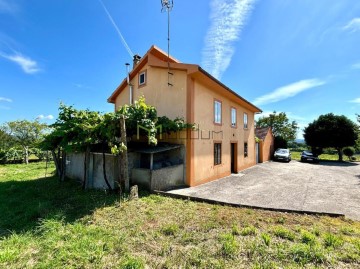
x=6 y=141
x=357 y=144
x=330 y=130
x=25 y=134
x=280 y=125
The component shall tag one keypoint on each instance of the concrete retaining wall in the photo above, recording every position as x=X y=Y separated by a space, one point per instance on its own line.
x=161 y=179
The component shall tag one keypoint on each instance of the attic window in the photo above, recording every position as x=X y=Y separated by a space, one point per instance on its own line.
x=142 y=78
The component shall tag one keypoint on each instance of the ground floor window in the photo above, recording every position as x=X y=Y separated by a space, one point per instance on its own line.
x=245 y=149
x=217 y=153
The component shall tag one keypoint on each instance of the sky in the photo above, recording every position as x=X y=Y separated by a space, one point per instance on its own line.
x=301 y=57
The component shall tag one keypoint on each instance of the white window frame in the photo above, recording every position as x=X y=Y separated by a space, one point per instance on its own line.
x=142 y=74
x=217 y=112
x=233 y=115
x=246 y=121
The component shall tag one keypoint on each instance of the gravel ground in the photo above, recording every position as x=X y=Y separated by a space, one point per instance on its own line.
x=326 y=187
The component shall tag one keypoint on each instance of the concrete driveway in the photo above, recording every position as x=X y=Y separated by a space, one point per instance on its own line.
x=326 y=187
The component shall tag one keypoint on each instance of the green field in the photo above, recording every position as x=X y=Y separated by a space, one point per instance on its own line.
x=295 y=155
x=50 y=224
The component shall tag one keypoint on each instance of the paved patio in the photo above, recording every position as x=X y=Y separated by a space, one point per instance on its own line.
x=326 y=187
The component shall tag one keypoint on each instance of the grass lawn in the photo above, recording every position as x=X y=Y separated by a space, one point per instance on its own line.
x=49 y=224
x=295 y=155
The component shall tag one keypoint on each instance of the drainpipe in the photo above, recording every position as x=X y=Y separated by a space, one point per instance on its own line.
x=128 y=82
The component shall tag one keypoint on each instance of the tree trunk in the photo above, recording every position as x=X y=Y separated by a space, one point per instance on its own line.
x=63 y=165
x=57 y=164
x=86 y=160
x=124 y=172
x=26 y=151
x=104 y=168
x=340 y=153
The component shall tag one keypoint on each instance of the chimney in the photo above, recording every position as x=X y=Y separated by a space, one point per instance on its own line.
x=137 y=59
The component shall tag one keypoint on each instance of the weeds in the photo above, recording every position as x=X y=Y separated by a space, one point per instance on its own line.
x=266 y=239
x=249 y=230
x=308 y=238
x=332 y=240
x=303 y=254
x=284 y=233
x=50 y=224
x=229 y=246
x=170 y=229
x=132 y=263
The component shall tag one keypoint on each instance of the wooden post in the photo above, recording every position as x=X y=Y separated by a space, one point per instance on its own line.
x=151 y=161
x=124 y=172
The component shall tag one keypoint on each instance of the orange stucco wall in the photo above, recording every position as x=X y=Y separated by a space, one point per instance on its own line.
x=194 y=101
x=169 y=101
x=225 y=134
x=267 y=147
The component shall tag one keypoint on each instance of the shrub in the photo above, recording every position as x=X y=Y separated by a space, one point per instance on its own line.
x=349 y=152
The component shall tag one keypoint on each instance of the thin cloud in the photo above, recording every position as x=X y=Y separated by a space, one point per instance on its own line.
x=228 y=18
x=294 y=117
x=8 y=7
x=28 y=65
x=288 y=91
x=356 y=100
x=356 y=66
x=42 y=117
x=353 y=25
x=117 y=30
x=5 y=99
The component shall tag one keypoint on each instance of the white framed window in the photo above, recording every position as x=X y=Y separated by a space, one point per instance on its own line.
x=142 y=78
x=233 y=117
x=245 y=121
x=217 y=112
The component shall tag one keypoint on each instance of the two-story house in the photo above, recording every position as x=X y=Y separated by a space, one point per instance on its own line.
x=224 y=141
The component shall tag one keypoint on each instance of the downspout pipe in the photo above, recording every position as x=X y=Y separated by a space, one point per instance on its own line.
x=130 y=85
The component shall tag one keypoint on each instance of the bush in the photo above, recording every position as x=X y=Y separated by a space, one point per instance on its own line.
x=349 y=152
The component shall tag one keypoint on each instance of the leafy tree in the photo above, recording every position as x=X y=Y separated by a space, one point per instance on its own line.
x=74 y=130
x=280 y=142
x=77 y=130
x=357 y=144
x=282 y=129
x=25 y=134
x=330 y=130
x=6 y=141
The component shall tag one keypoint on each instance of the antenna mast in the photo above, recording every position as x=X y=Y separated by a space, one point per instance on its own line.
x=167 y=5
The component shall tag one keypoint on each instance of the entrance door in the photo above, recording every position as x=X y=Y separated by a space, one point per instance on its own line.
x=233 y=156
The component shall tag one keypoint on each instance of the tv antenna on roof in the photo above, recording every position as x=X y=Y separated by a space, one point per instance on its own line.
x=167 y=5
